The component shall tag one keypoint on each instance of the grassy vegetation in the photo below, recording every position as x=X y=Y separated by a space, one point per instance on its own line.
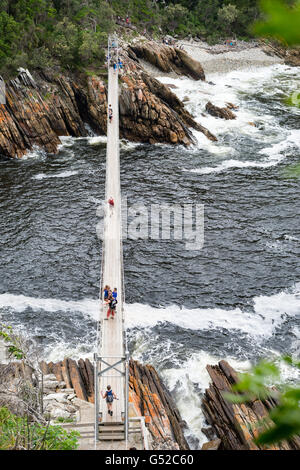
x=19 y=433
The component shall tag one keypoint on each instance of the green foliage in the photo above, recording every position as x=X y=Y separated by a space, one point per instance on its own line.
x=174 y=18
x=281 y=21
x=19 y=433
x=73 y=34
x=60 y=419
x=227 y=15
x=12 y=342
x=42 y=33
x=256 y=385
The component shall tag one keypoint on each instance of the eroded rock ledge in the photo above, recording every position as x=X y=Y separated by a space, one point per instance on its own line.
x=223 y=113
x=41 y=108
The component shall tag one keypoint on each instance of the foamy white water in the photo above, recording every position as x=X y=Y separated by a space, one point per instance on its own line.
x=232 y=87
x=269 y=313
x=19 y=303
x=36 y=153
x=63 y=174
x=100 y=139
x=188 y=382
x=276 y=154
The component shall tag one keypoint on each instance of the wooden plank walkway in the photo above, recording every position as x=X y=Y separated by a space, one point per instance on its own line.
x=112 y=330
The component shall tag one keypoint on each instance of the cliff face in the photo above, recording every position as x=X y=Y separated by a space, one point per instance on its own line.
x=42 y=107
x=36 y=113
x=151 y=399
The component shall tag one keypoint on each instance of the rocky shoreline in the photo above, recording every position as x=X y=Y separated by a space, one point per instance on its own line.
x=43 y=106
x=223 y=58
x=68 y=386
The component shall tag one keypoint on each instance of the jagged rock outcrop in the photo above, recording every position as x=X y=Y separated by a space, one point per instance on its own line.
x=223 y=113
x=236 y=425
x=212 y=445
x=78 y=376
x=151 y=398
x=41 y=108
x=167 y=59
x=38 y=115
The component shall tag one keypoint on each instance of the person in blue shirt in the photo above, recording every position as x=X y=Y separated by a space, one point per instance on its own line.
x=115 y=293
x=109 y=395
x=106 y=291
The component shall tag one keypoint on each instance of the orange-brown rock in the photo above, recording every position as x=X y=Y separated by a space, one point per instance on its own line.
x=290 y=55
x=236 y=425
x=42 y=108
x=153 y=401
x=212 y=445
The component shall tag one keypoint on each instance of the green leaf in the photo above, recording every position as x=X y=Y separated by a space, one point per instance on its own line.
x=276 y=434
x=281 y=22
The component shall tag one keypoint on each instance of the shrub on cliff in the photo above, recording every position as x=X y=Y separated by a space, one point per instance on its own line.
x=19 y=433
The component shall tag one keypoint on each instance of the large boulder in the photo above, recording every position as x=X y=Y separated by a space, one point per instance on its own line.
x=168 y=59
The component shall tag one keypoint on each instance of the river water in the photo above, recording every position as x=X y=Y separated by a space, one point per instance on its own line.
x=238 y=298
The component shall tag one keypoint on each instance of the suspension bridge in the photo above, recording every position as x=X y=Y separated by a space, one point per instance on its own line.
x=124 y=428
x=112 y=358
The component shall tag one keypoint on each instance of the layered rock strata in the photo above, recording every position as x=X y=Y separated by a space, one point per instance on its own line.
x=42 y=107
x=291 y=56
x=236 y=426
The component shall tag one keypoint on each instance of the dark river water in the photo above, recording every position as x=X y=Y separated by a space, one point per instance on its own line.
x=236 y=298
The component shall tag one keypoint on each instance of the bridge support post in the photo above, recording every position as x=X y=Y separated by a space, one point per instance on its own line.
x=126 y=395
x=96 y=389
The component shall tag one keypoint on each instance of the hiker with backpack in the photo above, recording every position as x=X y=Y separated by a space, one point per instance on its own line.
x=109 y=395
x=112 y=303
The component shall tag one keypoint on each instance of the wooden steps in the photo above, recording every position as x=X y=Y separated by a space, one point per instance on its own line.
x=111 y=432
